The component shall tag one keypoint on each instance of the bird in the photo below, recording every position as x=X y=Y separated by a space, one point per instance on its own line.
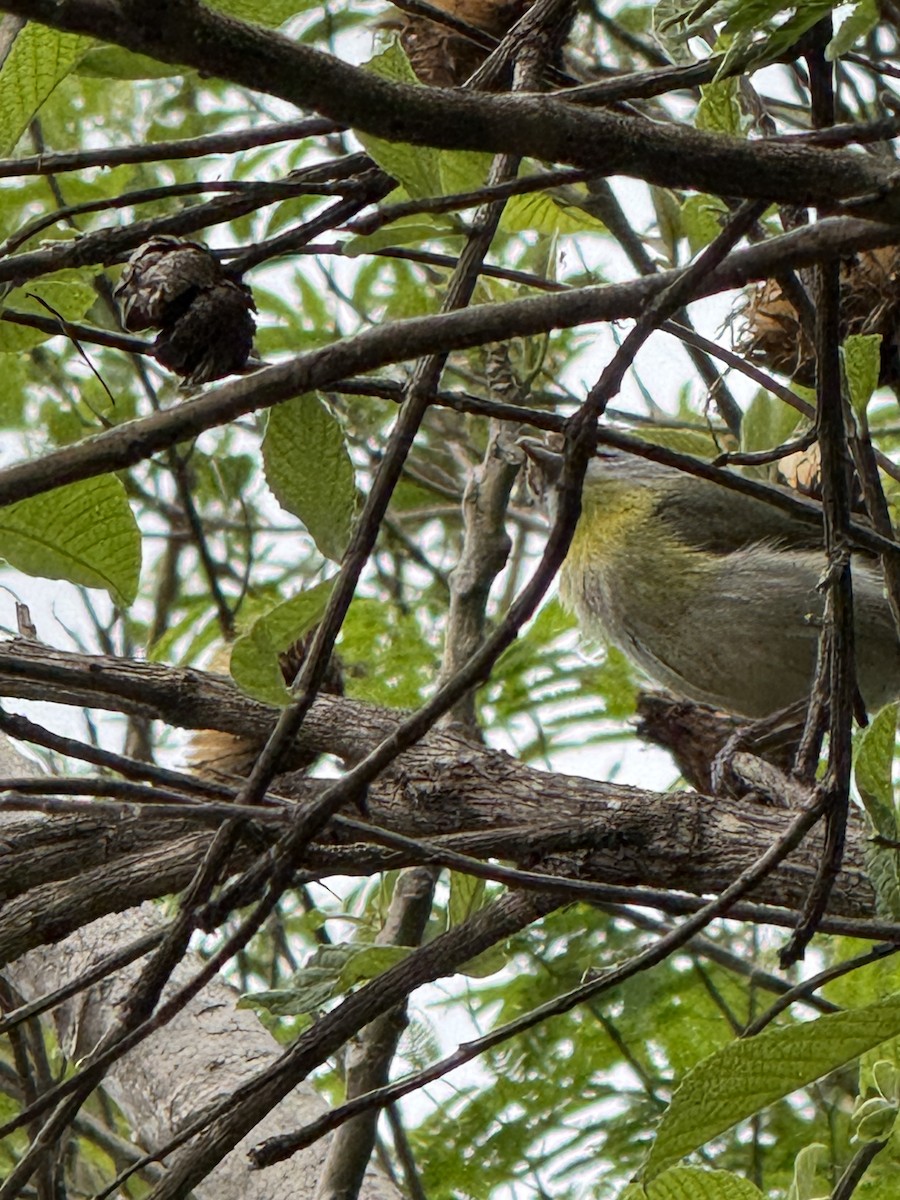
x=714 y=594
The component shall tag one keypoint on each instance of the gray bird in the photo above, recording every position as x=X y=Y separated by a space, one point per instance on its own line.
x=711 y=592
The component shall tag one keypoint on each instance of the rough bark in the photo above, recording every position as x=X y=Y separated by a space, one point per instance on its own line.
x=201 y=1056
x=63 y=872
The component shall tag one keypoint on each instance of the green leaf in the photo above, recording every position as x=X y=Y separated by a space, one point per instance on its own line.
x=540 y=213
x=309 y=470
x=615 y=683
x=310 y=989
x=669 y=220
x=329 y=972
x=862 y=366
x=746 y=1076
x=262 y=12
x=757 y=15
x=874 y=1119
x=462 y=170
x=13 y=396
x=407 y=231
x=388 y=658
x=84 y=532
x=767 y=423
x=669 y=17
x=488 y=962
x=416 y=167
x=882 y=1188
x=886 y=1077
x=810 y=1167
x=254 y=659
x=68 y=292
x=114 y=62
x=685 y=441
x=700 y=220
x=38 y=60
x=856 y=26
x=370 y=962
x=693 y=1183
x=718 y=110
x=741 y=54
x=782 y=37
x=873 y=758
x=195 y=610
x=466 y=897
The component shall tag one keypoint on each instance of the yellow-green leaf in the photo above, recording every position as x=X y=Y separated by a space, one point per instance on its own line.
x=693 y=1183
x=68 y=293
x=416 y=167
x=746 y=1076
x=309 y=470
x=862 y=366
x=544 y=214
x=84 y=532
x=39 y=59
x=767 y=423
x=254 y=660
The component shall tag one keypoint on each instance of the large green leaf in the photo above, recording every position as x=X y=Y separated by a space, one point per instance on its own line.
x=38 y=60
x=693 y=1183
x=416 y=167
x=310 y=472
x=748 y=1075
x=84 y=532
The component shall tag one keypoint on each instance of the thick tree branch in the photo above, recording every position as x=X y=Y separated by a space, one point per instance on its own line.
x=205 y=1052
x=398 y=341
x=600 y=832
x=536 y=127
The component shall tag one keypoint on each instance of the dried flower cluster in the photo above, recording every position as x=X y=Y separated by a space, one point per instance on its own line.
x=870 y=303
x=442 y=58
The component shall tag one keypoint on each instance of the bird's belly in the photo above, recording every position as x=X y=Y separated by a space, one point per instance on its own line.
x=742 y=634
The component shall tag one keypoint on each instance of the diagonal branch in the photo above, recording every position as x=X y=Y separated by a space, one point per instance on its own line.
x=398 y=341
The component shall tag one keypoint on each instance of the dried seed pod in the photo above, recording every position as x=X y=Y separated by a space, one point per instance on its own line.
x=163 y=273
x=212 y=336
x=292 y=659
x=203 y=313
